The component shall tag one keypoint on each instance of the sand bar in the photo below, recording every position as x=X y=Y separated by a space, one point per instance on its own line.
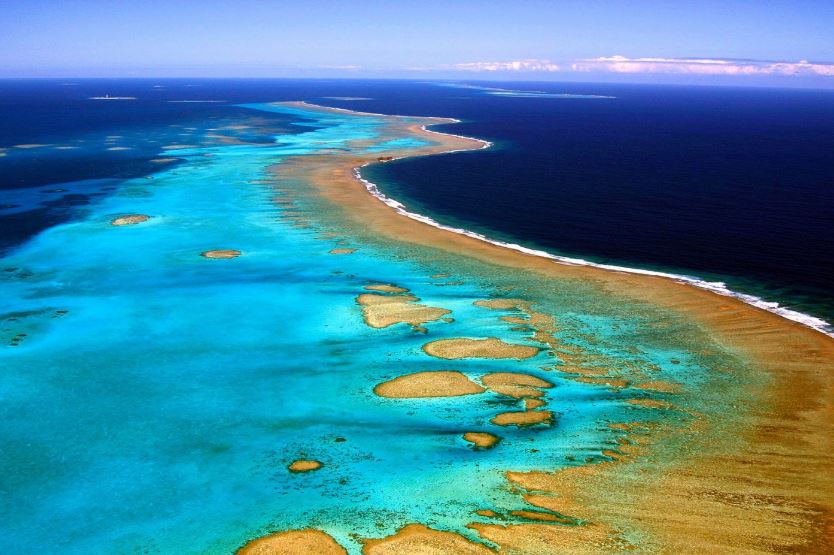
x=524 y=418
x=304 y=465
x=428 y=384
x=131 y=219
x=381 y=311
x=416 y=539
x=221 y=253
x=491 y=347
x=293 y=542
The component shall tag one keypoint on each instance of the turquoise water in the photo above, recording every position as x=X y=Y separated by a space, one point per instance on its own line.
x=157 y=396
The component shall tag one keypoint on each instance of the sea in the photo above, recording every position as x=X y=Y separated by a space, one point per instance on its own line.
x=152 y=399
x=730 y=186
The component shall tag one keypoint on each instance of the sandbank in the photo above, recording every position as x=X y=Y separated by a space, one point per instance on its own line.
x=221 y=253
x=304 y=465
x=482 y=440
x=381 y=311
x=416 y=539
x=439 y=383
x=293 y=542
x=386 y=288
x=716 y=498
x=491 y=347
x=131 y=219
x=524 y=418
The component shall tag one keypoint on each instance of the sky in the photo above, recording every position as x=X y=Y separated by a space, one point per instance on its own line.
x=706 y=41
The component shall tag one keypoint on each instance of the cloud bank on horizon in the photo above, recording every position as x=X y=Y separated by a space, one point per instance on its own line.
x=678 y=66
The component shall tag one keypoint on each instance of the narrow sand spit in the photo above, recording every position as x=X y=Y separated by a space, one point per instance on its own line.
x=293 y=542
x=303 y=465
x=221 y=253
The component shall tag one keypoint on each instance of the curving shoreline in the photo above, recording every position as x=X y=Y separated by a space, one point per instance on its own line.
x=787 y=428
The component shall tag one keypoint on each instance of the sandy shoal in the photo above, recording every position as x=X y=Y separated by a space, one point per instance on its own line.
x=439 y=383
x=293 y=542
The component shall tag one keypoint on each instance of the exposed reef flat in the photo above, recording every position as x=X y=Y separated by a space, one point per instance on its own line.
x=381 y=311
x=523 y=418
x=221 y=253
x=428 y=384
x=131 y=219
x=293 y=542
x=482 y=440
x=417 y=539
x=304 y=465
x=386 y=288
x=491 y=347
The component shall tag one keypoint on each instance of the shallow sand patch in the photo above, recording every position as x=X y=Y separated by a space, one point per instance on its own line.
x=525 y=418
x=530 y=404
x=386 y=288
x=416 y=539
x=491 y=347
x=130 y=219
x=440 y=383
x=221 y=253
x=293 y=542
x=481 y=440
x=342 y=251
x=381 y=311
x=304 y=465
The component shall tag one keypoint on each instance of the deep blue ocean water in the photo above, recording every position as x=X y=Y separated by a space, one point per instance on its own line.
x=726 y=184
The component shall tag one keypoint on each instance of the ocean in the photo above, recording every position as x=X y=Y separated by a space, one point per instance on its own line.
x=152 y=399
x=731 y=185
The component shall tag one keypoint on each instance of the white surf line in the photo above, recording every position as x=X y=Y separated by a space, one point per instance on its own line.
x=717 y=287
x=713 y=286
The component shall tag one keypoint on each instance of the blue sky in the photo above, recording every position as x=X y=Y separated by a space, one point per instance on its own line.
x=779 y=42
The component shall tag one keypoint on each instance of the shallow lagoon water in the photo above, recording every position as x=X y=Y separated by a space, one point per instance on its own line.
x=158 y=396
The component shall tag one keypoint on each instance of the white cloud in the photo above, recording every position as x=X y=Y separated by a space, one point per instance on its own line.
x=703 y=66
x=341 y=67
x=515 y=65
